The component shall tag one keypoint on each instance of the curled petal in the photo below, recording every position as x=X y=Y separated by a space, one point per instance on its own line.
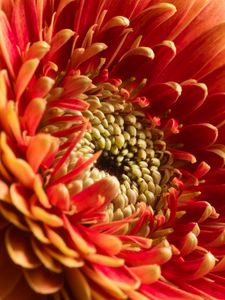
x=33 y=114
x=197 y=136
x=107 y=188
x=147 y=274
x=45 y=258
x=20 y=250
x=37 y=50
x=157 y=255
x=25 y=74
x=43 y=281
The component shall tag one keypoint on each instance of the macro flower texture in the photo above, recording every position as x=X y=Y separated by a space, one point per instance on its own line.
x=112 y=133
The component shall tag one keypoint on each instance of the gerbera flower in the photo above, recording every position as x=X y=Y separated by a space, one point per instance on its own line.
x=112 y=149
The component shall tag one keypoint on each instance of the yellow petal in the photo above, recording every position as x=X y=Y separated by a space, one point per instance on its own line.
x=59 y=39
x=147 y=274
x=142 y=51
x=105 y=260
x=91 y=51
x=46 y=217
x=116 y=21
x=205 y=267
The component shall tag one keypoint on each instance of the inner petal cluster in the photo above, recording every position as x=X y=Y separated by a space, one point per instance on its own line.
x=133 y=149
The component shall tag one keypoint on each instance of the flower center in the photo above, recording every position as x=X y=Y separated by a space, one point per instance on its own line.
x=133 y=150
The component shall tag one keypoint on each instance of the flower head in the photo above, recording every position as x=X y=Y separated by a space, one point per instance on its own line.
x=112 y=149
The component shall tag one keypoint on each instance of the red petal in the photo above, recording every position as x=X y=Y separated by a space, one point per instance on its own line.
x=199 y=52
x=133 y=63
x=192 y=97
x=8 y=45
x=162 y=96
x=196 y=136
x=165 y=291
x=107 y=188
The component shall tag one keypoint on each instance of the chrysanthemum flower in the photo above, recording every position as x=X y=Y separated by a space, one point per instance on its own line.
x=112 y=149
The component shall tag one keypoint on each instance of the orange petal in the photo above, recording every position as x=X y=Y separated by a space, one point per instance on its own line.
x=40 y=193
x=37 y=149
x=41 y=87
x=46 y=217
x=12 y=215
x=76 y=85
x=78 y=284
x=19 y=198
x=43 y=281
x=59 y=243
x=59 y=196
x=59 y=39
x=108 y=243
x=12 y=118
x=37 y=50
x=33 y=114
x=106 y=188
x=105 y=283
x=20 y=169
x=89 y=52
x=45 y=258
x=37 y=231
x=20 y=250
x=25 y=74
x=4 y=192
x=76 y=237
x=105 y=260
x=67 y=261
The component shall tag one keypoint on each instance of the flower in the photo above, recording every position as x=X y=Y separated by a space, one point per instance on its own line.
x=112 y=149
